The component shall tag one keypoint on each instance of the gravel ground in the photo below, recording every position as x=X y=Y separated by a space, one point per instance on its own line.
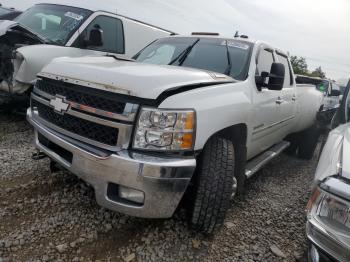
x=55 y=217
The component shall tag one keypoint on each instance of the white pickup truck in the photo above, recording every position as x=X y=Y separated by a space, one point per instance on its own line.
x=190 y=119
x=67 y=29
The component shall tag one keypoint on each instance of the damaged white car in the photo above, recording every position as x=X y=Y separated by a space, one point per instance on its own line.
x=328 y=226
x=48 y=31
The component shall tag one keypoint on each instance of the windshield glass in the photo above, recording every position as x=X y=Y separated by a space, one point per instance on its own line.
x=4 y=11
x=230 y=57
x=323 y=86
x=54 y=23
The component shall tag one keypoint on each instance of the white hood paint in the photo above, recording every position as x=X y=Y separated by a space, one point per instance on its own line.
x=34 y=63
x=331 y=154
x=137 y=79
x=5 y=25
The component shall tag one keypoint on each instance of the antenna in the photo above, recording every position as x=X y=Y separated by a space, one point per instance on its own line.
x=240 y=36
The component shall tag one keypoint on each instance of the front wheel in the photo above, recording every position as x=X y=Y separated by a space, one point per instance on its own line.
x=214 y=186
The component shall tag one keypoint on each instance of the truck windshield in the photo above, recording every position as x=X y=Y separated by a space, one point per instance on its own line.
x=54 y=23
x=323 y=86
x=4 y=11
x=230 y=57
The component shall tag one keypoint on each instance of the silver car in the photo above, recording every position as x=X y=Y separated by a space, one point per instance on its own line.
x=328 y=211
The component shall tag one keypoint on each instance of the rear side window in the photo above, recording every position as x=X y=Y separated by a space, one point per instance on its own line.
x=113 y=34
x=288 y=80
x=265 y=60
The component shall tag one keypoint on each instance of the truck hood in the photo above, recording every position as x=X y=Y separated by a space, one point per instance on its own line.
x=346 y=152
x=336 y=151
x=132 y=78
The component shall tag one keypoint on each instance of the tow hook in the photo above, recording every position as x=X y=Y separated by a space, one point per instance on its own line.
x=38 y=155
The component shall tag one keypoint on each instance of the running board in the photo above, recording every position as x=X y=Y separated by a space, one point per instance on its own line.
x=258 y=162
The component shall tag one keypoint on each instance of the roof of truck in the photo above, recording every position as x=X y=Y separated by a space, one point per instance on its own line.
x=247 y=40
x=90 y=5
x=95 y=7
x=223 y=37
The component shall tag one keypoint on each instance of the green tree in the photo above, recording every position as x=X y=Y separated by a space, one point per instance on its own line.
x=318 y=72
x=299 y=65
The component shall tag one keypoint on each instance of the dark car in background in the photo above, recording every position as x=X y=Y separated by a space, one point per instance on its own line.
x=8 y=13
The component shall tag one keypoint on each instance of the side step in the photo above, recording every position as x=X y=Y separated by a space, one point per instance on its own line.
x=258 y=162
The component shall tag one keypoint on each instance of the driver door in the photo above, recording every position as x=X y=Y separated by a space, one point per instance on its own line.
x=267 y=113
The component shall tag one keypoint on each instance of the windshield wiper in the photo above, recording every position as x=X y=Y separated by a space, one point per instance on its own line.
x=229 y=66
x=183 y=55
x=120 y=58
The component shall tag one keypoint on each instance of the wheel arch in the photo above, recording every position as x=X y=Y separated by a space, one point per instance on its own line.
x=237 y=134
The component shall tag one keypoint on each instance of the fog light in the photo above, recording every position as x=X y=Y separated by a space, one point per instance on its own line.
x=130 y=194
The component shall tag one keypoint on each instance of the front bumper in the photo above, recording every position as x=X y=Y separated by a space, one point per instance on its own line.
x=162 y=180
x=326 y=245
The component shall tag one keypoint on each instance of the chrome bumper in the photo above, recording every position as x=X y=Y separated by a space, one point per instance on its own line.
x=162 y=180
x=326 y=242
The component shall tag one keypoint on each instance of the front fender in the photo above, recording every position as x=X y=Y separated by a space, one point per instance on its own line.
x=217 y=107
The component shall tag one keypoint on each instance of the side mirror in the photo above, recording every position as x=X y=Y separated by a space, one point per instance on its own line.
x=96 y=36
x=276 y=76
x=341 y=115
x=335 y=93
x=261 y=79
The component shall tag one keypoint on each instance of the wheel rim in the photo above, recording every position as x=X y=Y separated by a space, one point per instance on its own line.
x=234 y=188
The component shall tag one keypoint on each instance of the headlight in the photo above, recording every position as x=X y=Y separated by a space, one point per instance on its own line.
x=159 y=129
x=330 y=211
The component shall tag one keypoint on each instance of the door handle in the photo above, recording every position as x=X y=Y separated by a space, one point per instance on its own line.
x=279 y=101
x=294 y=98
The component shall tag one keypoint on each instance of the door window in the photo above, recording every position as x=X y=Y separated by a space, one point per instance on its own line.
x=288 y=79
x=112 y=34
x=265 y=60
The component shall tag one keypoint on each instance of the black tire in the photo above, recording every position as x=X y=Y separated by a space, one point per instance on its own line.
x=213 y=186
x=294 y=144
x=308 y=142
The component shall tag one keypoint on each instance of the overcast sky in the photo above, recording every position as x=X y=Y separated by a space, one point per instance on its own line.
x=318 y=30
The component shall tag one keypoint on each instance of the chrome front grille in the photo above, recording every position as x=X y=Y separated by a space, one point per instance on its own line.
x=87 y=117
x=82 y=95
